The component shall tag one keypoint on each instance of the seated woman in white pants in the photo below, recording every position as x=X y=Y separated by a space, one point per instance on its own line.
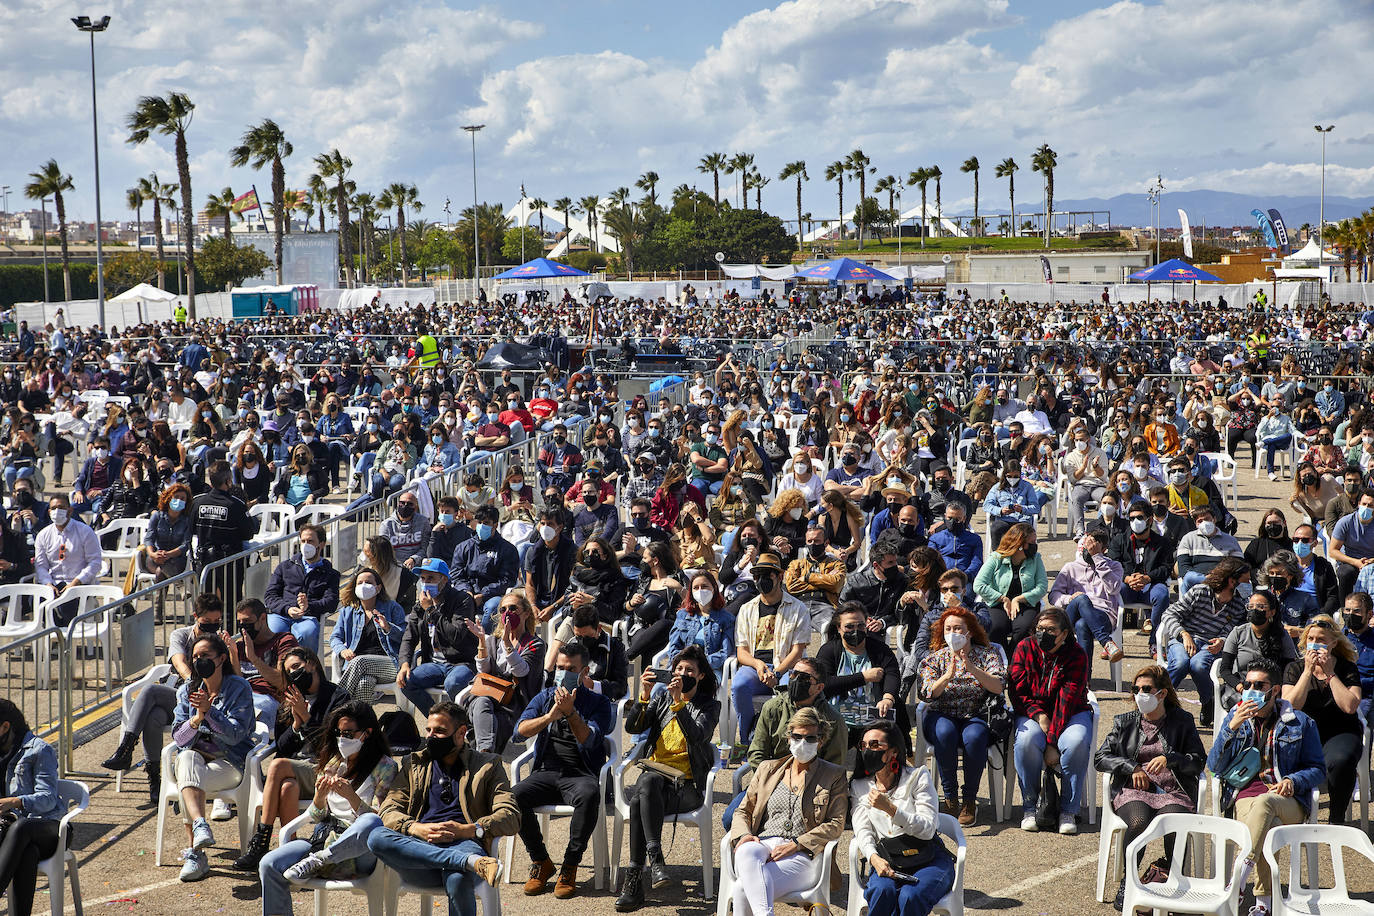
x=213 y=733
x=795 y=805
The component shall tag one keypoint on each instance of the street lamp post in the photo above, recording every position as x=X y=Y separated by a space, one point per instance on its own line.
x=43 y=204
x=390 y=249
x=5 y=191
x=91 y=26
x=472 y=130
x=1155 y=190
x=899 y=225
x=1321 y=204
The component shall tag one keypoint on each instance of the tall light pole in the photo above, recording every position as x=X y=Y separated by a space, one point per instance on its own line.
x=472 y=130
x=390 y=250
x=899 y=223
x=43 y=203
x=5 y=192
x=91 y=26
x=524 y=219
x=1155 y=191
x=1321 y=205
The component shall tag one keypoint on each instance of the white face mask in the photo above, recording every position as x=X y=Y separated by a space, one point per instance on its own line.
x=547 y=532
x=801 y=468
x=59 y=517
x=350 y=746
x=804 y=751
x=308 y=551
x=1140 y=473
x=702 y=596
x=1146 y=702
x=794 y=513
x=1081 y=446
x=1207 y=528
x=956 y=640
x=365 y=590
x=1138 y=525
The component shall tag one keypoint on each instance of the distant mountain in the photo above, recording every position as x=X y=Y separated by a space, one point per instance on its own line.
x=1215 y=208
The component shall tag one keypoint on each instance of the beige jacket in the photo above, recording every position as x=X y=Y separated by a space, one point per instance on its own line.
x=825 y=803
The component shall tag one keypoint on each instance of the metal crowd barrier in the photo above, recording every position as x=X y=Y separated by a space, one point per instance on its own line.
x=27 y=666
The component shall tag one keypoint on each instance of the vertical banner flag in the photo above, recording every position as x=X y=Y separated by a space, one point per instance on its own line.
x=1280 y=229
x=1266 y=226
x=1187 y=233
x=1045 y=269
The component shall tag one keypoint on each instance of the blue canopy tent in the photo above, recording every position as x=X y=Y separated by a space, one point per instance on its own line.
x=540 y=269
x=843 y=270
x=1173 y=270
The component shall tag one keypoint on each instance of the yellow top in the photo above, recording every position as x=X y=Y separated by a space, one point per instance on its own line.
x=671 y=748
x=1196 y=498
x=429 y=351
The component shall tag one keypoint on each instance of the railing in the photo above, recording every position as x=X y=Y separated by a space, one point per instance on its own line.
x=30 y=685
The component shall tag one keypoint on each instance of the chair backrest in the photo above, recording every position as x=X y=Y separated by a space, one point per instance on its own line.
x=1222 y=831
x=275 y=520
x=15 y=599
x=90 y=597
x=313 y=515
x=1294 y=837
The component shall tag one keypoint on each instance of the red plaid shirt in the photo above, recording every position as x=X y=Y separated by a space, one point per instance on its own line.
x=1055 y=685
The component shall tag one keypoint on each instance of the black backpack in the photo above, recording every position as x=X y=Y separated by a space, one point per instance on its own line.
x=401 y=733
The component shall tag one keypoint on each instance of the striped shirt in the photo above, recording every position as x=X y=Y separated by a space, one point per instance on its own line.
x=1200 y=616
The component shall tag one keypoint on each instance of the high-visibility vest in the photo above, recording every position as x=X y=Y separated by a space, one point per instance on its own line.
x=429 y=351
x=180 y=313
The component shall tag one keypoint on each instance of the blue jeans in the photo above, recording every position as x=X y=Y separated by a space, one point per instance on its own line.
x=743 y=688
x=1272 y=445
x=1074 y=752
x=425 y=865
x=946 y=736
x=1156 y=595
x=886 y=897
x=1189 y=580
x=1089 y=623
x=352 y=844
x=453 y=678
x=381 y=484
x=338 y=454
x=729 y=816
x=306 y=630
x=1199 y=666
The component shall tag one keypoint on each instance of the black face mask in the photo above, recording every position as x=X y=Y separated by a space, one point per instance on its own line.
x=956 y=527
x=24 y=499
x=1259 y=616
x=854 y=638
x=439 y=746
x=942 y=485
x=1273 y=531
x=1278 y=584
x=302 y=678
x=1309 y=481
x=1159 y=511
x=1354 y=621
x=249 y=631
x=405 y=510
x=204 y=667
x=212 y=627
x=1046 y=641
x=766 y=584
x=799 y=688
x=873 y=760
x=907 y=529
x=689 y=682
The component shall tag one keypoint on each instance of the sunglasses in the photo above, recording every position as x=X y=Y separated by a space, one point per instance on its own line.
x=873 y=745
x=513 y=608
x=1258 y=685
x=1142 y=688
x=950 y=590
x=809 y=739
x=347 y=732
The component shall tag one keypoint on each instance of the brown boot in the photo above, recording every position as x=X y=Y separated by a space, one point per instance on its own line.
x=950 y=806
x=540 y=873
x=968 y=813
x=567 y=882
x=488 y=869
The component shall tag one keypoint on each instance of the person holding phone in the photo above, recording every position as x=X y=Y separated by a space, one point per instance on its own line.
x=513 y=652
x=1324 y=683
x=213 y=732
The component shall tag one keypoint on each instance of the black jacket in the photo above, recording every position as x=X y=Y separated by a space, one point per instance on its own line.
x=220 y=523
x=1324 y=581
x=304 y=743
x=608 y=664
x=1157 y=560
x=697 y=720
x=878 y=596
x=1182 y=748
x=879 y=656
x=455 y=643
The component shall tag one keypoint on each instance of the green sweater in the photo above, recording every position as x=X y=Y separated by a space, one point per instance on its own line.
x=770 y=732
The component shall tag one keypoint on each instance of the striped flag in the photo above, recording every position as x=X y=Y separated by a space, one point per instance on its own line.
x=246 y=201
x=295 y=198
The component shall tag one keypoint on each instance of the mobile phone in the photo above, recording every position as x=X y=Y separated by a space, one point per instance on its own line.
x=196 y=684
x=661 y=675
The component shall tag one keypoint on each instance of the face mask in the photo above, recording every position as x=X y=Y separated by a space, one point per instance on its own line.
x=100 y=454
x=405 y=510
x=1259 y=616
x=308 y=551
x=547 y=533
x=1032 y=550
x=204 y=667
x=1013 y=479
x=1366 y=514
x=302 y=678
x=1045 y=641
x=956 y=640
x=591 y=500
x=702 y=596
x=177 y=505
x=484 y=530
x=430 y=588
x=1207 y=529
x=1140 y=473
x=1251 y=695
x=1354 y=621
x=853 y=638
x=799 y=688
x=439 y=746
x=873 y=760
x=350 y=746
x=766 y=584
x=654 y=432
x=1274 y=530
x=567 y=680
x=802 y=467
x=365 y=590
x=1138 y=525
x=804 y=751
x=1123 y=486
x=372 y=427
x=689 y=682
x=1146 y=702
x=712 y=439
x=1177 y=478
x=59 y=517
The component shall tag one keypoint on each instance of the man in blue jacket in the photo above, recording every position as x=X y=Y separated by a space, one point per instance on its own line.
x=569 y=722
x=960 y=548
x=303 y=590
x=486 y=565
x=1291 y=764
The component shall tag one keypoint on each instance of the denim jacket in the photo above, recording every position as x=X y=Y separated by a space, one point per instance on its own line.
x=715 y=633
x=594 y=709
x=228 y=728
x=1023 y=494
x=1295 y=747
x=31 y=777
x=349 y=629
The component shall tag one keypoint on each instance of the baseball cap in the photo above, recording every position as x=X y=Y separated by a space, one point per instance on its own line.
x=433 y=565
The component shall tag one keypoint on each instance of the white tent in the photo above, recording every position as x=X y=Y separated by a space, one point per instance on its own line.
x=749 y=271
x=1309 y=256
x=144 y=302
x=144 y=292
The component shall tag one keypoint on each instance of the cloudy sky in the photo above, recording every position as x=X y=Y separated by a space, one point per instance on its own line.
x=581 y=98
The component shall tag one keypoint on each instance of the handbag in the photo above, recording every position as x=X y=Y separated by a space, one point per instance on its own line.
x=997 y=716
x=675 y=777
x=1047 y=808
x=908 y=854
x=1242 y=771
x=325 y=832
x=500 y=689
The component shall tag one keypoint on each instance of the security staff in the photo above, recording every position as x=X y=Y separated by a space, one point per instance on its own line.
x=220 y=523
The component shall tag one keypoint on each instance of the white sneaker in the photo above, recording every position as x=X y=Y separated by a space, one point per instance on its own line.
x=1273 y=476
x=220 y=810
x=196 y=867
x=1068 y=824
x=1028 y=824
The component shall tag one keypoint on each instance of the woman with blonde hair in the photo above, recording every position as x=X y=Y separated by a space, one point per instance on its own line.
x=512 y=652
x=846 y=426
x=1012 y=583
x=1324 y=683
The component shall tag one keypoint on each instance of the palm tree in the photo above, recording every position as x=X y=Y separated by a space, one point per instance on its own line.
x=133 y=199
x=221 y=206
x=171 y=116
x=398 y=195
x=919 y=178
x=540 y=205
x=366 y=207
x=261 y=144
x=320 y=196
x=49 y=181
x=647 y=183
x=1007 y=169
x=620 y=219
x=971 y=165
x=1044 y=160
x=152 y=188
x=934 y=172
x=835 y=172
x=889 y=184
x=757 y=181
x=713 y=164
x=1342 y=237
x=335 y=165
x=589 y=206
x=740 y=163
x=796 y=170
x=564 y=205
x=858 y=163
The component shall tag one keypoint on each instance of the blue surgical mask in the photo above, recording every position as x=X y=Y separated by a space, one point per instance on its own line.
x=1366 y=514
x=446 y=518
x=1258 y=697
x=484 y=531
x=177 y=505
x=566 y=679
x=430 y=588
x=1302 y=549
x=654 y=432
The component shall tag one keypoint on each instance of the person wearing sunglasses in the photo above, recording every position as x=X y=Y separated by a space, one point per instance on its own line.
x=1155 y=758
x=355 y=772
x=1317 y=577
x=449 y=805
x=1290 y=758
x=1325 y=684
x=513 y=652
x=794 y=806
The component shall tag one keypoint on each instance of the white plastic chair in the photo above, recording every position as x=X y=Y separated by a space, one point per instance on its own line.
x=14 y=622
x=1298 y=899
x=317 y=514
x=999 y=762
x=727 y=726
x=76 y=798
x=129 y=694
x=1225 y=474
x=129 y=535
x=99 y=630
x=238 y=795
x=600 y=853
x=952 y=904
x=488 y=895
x=702 y=817
x=1112 y=840
x=1182 y=893
x=818 y=892
x=373 y=886
x=275 y=521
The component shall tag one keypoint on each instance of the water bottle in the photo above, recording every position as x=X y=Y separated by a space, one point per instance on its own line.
x=724 y=749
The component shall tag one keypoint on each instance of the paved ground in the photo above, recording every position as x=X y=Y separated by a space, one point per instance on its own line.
x=1007 y=870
